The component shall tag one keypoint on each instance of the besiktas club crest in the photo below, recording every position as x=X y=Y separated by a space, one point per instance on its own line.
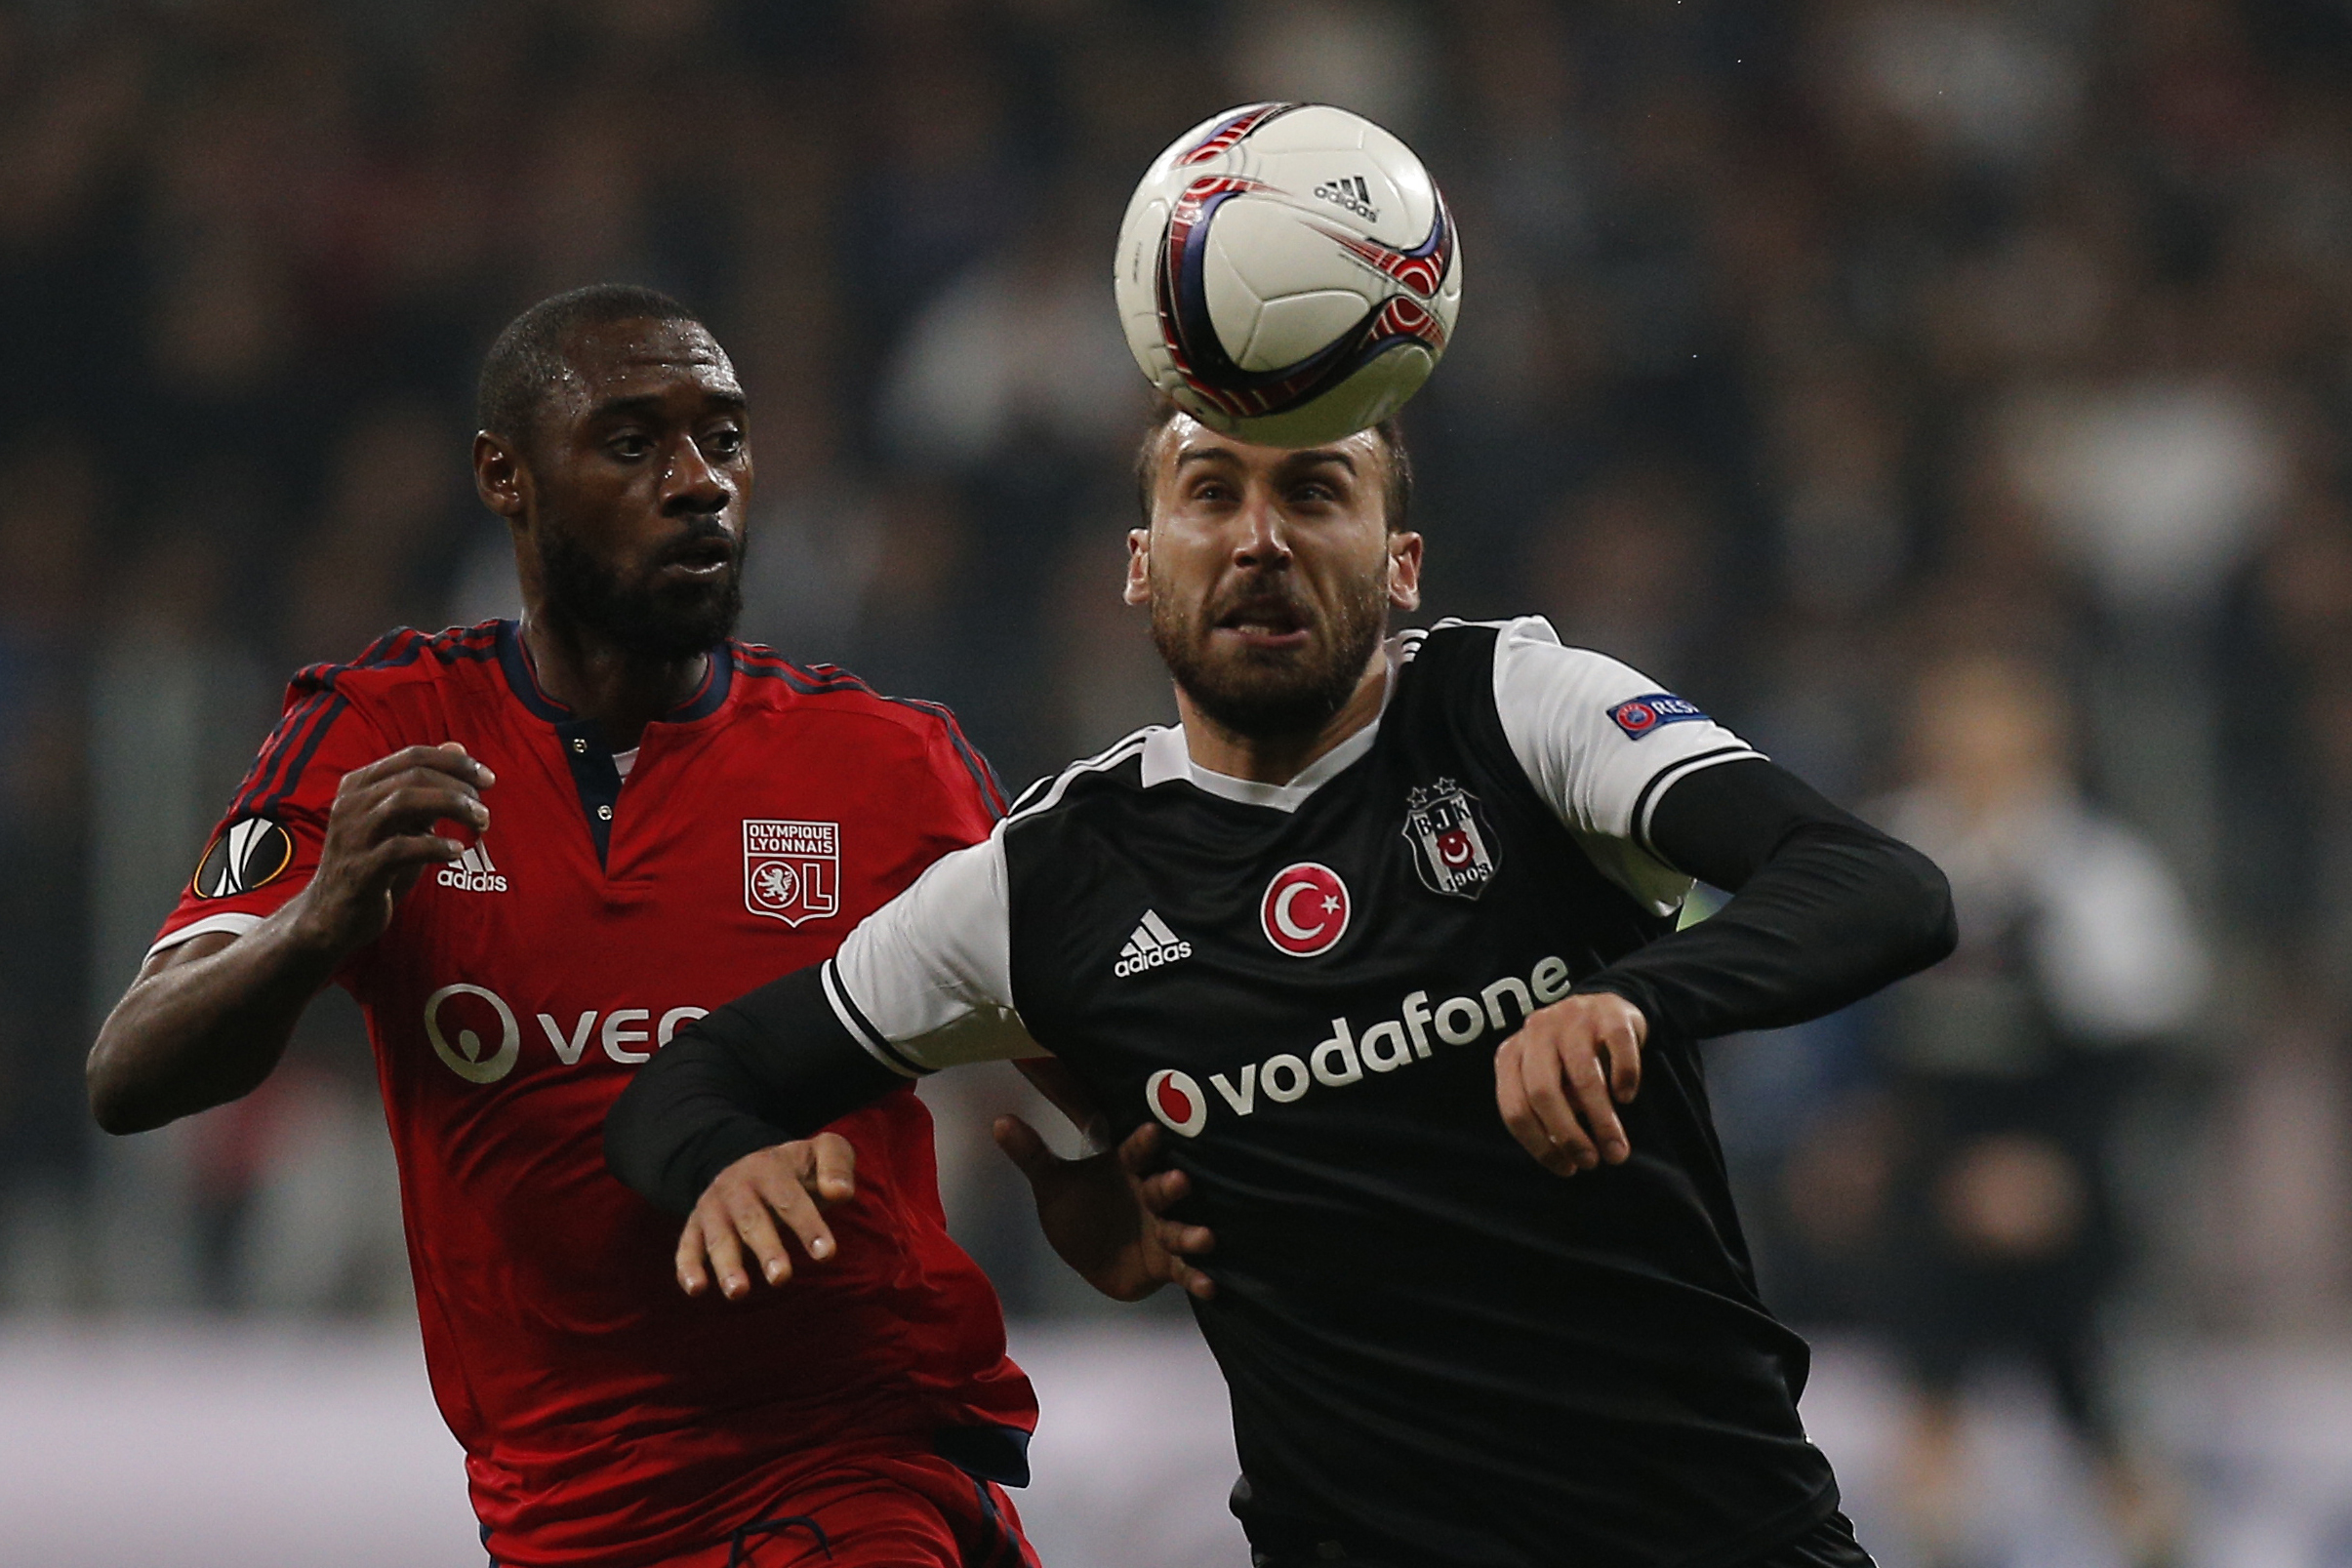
x=1452 y=850
x=792 y=871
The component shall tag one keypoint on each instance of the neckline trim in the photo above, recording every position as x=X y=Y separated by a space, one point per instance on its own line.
x=718 y=678
x=1166 y=759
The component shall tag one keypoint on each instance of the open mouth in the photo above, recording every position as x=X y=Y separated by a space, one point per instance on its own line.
x=1265 y=624
x=702 y=557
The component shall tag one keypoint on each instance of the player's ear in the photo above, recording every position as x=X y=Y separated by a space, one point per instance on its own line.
x=1404 y=571
x=1139 y=566
x=501 y=477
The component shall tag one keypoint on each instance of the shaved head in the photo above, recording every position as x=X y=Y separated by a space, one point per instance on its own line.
x=526 y=365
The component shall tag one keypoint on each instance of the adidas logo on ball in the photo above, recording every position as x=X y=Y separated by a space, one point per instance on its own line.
x=1350 y=192
x=1254 y=308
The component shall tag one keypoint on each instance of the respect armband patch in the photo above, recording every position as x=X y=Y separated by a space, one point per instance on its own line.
x=1638 y=717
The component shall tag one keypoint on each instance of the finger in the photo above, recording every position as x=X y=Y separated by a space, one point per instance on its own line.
x=1141 y=1151
x=392 y=813
x=449 y=758
x=725 y=1249
x=409 y=850
x=1193 y=1282
x=694 y=1272
x=835 y=1167
x=1625 y=1066
x=1163 y=1190
x=1587 y=1092
x=1184 y=1240
x=1542 y=1072
x=749 y=1210
x=1519 y=1116
x=400 y=761
x=424 y=799
x=474 y=766
x=1022 y=1145
x=784 y=1193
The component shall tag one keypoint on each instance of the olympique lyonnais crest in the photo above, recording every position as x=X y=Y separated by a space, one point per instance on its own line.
x=1450 y=845
x=792 y=871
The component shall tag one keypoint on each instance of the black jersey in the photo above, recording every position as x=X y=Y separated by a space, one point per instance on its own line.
x=1438 y=1350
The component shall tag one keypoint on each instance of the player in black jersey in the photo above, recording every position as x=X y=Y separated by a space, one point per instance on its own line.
x=1383 y=935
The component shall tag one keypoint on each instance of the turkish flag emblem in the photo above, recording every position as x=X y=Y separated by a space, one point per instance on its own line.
x=1305 y=909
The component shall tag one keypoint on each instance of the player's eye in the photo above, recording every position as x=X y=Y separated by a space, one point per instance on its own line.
x=724 y=443
x=629 y=446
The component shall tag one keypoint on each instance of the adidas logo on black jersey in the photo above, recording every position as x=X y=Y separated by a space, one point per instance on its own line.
x=1152 y=945
x=472 y=872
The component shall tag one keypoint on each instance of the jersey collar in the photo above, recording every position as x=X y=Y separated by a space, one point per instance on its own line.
x=523 y=681
x=1166 y=759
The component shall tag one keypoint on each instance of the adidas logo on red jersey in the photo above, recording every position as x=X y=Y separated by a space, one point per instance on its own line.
x=473 y=873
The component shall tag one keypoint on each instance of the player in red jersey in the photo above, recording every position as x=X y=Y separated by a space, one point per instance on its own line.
x=532 y=851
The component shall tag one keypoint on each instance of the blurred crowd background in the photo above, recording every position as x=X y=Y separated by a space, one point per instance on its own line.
x=1950 y=394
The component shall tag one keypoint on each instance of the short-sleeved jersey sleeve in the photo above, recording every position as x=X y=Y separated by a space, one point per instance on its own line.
x=266 y=845
x=1601 y=743
x=925 y=982
x=975 y=800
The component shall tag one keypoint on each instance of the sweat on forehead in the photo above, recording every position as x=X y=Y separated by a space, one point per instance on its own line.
x=531 y=359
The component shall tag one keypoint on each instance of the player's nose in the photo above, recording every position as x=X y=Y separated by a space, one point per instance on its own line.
x=691 y=483
x=1261 y=540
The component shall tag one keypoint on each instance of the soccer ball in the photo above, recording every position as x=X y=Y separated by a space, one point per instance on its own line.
x=1288 y=273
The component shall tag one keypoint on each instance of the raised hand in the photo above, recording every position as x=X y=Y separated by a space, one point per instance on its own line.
x=381 y=837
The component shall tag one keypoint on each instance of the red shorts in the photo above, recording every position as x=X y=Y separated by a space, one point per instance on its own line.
x=882 y=1510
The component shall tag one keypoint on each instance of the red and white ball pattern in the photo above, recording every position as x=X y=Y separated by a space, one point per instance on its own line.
x=1288 y=274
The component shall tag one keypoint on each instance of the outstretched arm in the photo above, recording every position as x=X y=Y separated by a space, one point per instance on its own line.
x=1825 y=909
x=772 y=1067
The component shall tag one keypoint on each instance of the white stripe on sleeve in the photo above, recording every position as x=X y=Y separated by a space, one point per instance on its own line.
x=234 y=923
x=1602 y=780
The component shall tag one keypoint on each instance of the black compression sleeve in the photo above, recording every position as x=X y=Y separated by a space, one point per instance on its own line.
x=772 y=1065
x=1825 y=908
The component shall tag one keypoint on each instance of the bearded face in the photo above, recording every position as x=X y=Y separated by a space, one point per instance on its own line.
x=1261 y=657
x=641 y=465
x=683 y=597
x=1269 y=573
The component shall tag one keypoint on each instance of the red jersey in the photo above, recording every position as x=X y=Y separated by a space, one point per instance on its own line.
x=606 y=1416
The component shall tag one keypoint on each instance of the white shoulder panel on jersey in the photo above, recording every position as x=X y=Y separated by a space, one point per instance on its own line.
x=930 y=972
x=1601 y=743
x=235 y=923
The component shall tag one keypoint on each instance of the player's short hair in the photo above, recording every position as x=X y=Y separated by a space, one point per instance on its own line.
x=526 y=362
x=1397 y=495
